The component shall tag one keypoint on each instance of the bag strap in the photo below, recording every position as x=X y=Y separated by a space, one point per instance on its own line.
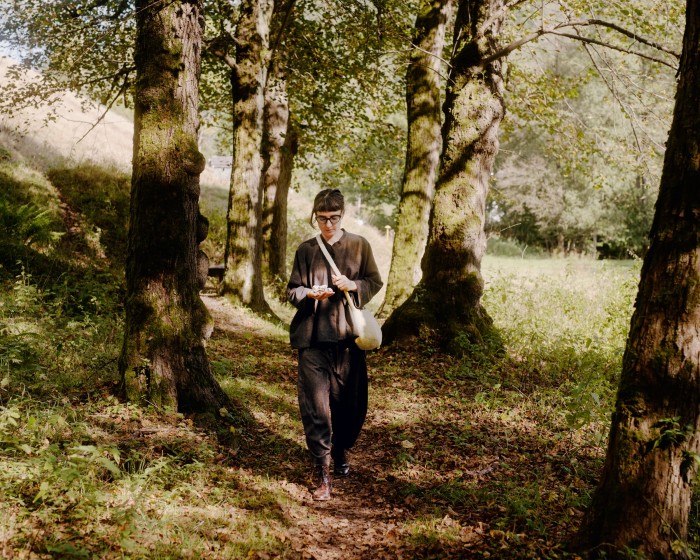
x=333 y=265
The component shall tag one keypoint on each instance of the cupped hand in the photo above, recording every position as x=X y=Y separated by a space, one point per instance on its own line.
x=319 y=293
x=319 y=296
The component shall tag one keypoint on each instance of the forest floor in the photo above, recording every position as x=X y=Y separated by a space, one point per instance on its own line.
x=487 y=455
x=445 y=466
x=493 y=454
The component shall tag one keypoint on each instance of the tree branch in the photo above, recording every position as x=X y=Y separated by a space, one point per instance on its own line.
x=504 y=9
x=615 y=48
x=629 y=34
x=283 y=25
x=125 y=85
x=217 y=47
x=124 y=71
x=505 y=51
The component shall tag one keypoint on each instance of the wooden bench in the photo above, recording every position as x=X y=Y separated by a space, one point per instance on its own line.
x=217 y=271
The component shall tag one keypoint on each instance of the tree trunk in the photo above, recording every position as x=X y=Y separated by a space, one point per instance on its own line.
x=279 y=149
x=163 y=359
x=243 y=253
x=424 y=115
x=643 y=499
x=446 y=302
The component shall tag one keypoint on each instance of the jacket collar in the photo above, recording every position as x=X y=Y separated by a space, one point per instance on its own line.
x=333 y=240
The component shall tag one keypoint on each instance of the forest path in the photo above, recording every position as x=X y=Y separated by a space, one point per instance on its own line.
x=445 y=467
x=361 y=520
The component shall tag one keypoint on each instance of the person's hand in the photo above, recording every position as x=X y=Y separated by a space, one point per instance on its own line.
x=344 y=283
x=319 y=293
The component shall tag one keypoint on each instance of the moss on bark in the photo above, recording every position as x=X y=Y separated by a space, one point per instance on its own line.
x=447 y=300
x=163 y=361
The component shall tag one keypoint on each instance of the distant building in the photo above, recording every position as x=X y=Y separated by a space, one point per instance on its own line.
x=220 y=164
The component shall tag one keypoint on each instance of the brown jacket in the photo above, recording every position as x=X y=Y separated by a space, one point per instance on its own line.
x=327 y=321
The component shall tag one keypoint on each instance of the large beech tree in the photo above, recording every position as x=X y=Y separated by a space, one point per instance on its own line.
x=424 y=117
x=643 y=499
x=163 y=359
x=447 y=299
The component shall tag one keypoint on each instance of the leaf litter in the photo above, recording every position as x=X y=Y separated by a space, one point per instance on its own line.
x=434 y=474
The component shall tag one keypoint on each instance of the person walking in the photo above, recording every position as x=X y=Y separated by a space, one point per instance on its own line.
x=332 y=382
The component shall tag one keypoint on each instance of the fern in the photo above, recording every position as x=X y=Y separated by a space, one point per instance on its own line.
x=27 y=224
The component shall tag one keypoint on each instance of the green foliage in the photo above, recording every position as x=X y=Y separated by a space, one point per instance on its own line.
x=213 y=204
x=584 y=141
x=498 y=246
x=27 y=224
x=79 y=46
x=102 y=198
x=29 y=220
x=565 y=323
x=671 y=433
x=345 y=66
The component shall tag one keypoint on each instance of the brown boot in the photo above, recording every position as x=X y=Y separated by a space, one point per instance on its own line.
x=322 y=482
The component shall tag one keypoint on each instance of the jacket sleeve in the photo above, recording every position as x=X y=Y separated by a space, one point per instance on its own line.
x=371 y=281
x=296 y=290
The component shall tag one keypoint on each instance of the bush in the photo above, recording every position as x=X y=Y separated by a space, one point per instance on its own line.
x=504 y=247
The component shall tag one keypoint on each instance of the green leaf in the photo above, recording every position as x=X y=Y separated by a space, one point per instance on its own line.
x=110 y=466
x=26 y=448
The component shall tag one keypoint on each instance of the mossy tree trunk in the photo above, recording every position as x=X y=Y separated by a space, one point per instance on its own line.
x=424 y=117
x=163 y=360
x=446 y=302
x=243 y=253
x=643 y=499
x=279 y=149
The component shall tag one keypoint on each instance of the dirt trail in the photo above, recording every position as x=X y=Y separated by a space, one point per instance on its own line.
x=441 y=470
x=362 y=519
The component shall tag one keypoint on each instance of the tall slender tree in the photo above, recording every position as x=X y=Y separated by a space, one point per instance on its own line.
x=163 y=359
x=447 y=299
x=243 y=252
x=279 y=148
x=643 y=499
x=424 y=116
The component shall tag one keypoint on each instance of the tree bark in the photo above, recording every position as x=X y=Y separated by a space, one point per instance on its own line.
x=163 y=359
x=424 y=116
x=243 y=253
x=279 y=149
x=445 y=305
x=643 y=499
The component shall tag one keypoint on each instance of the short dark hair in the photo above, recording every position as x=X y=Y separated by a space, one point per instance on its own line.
x=328 y=200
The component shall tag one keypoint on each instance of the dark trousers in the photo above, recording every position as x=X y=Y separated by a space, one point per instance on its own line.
x=332 y=389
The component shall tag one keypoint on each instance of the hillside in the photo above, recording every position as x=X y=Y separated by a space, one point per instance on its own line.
x=74 y=135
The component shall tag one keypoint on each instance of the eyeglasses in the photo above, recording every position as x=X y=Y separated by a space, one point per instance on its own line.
x=332 y=219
